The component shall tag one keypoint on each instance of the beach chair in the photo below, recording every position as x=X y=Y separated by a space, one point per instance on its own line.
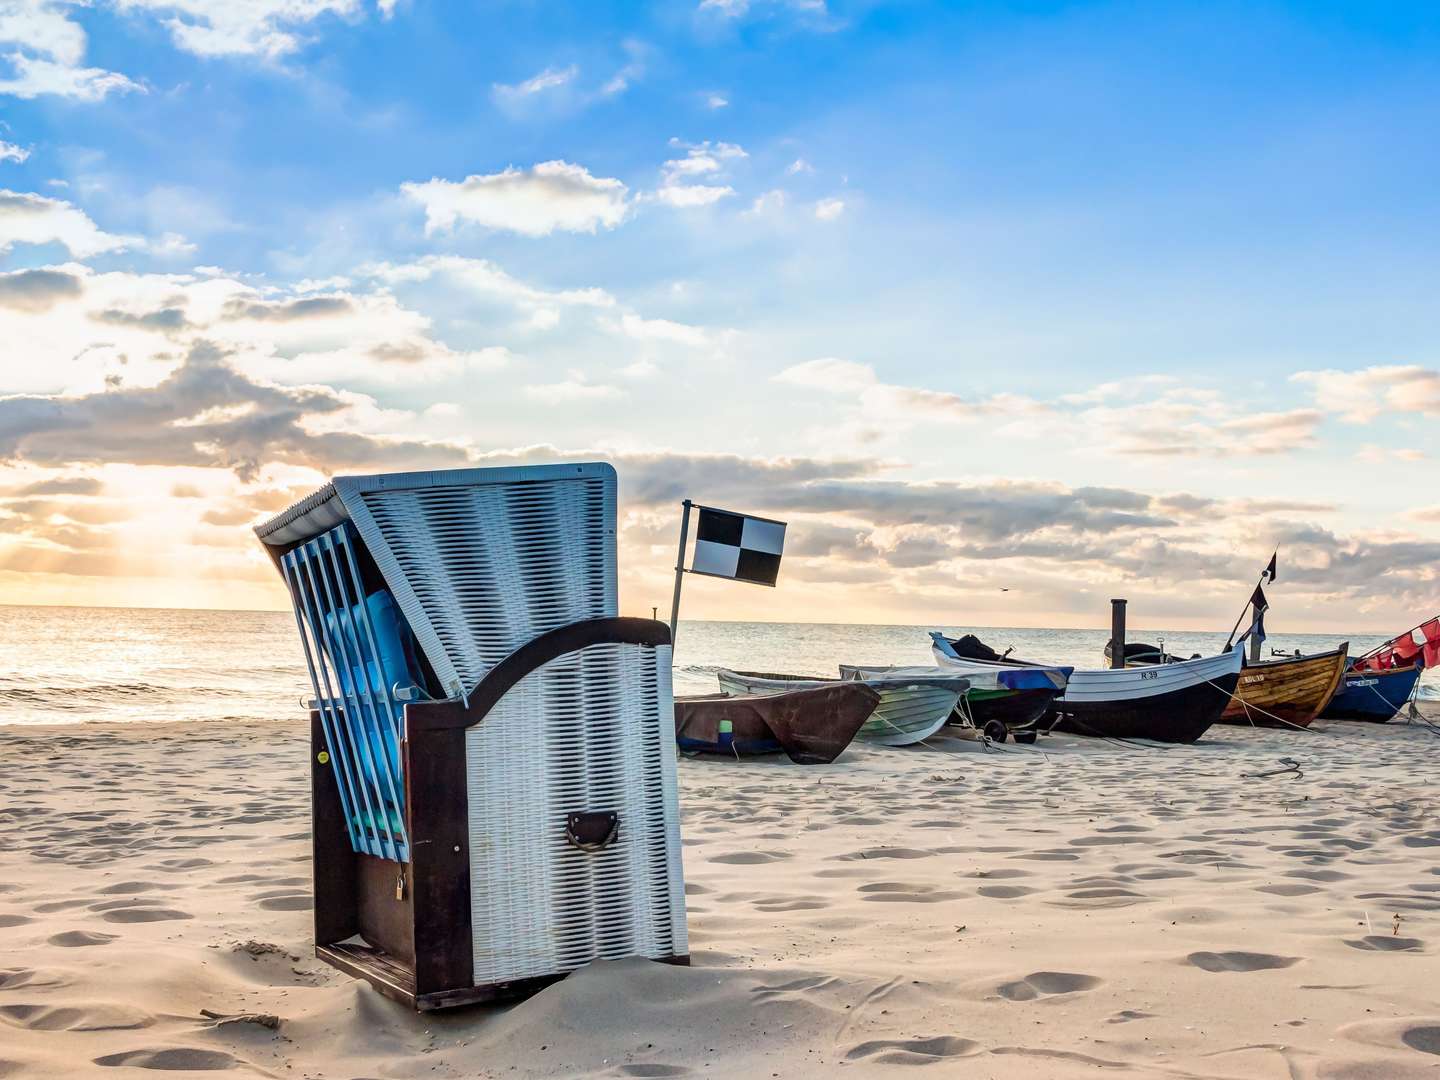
x=492 y=762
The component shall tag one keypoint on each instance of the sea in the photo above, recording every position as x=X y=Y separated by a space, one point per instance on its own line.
x=74 y=665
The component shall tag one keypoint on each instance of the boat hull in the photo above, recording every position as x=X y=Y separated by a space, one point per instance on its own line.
x=811 y=726
x=1018 y=710
x=1284 y=693
x=1375 y=696
x=906 y=714
x=1180 y=715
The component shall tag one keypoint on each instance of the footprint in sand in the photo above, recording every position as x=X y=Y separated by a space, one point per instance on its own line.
x=1288 y=890
x=1240 y=961
x=641 y=1069
x=15 y=978
x=913 y=1051
x=1124 y=1016
x=75 y=1018
x=13 y=920
x=1425 y=1039
x=287 y=902
x=1040 y=984
x=171 y=1059
x=145 y=914
x=896 y=892
x=884 y=853
x=750 y=858
x=75 y=939
x=128 y=887
x=1387 y=943
x=796 y=986
x=791 y=903
x=1003 y=892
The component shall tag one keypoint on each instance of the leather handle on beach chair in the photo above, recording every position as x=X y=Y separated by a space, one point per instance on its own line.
x=535 y=653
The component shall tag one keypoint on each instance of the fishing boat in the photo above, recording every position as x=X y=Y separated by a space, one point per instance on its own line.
x=1001 y=700
x=1286 y=693
x=1378 y=684
x=812 y=726
x=1376 y=696
x=910 y=710
x=1174 y=702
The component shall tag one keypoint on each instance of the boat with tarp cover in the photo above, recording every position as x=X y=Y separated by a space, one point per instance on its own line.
x=1000 y=701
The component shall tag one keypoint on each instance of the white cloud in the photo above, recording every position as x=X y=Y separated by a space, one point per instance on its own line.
x=716 y=101
x=267 y=28
x=549 y=79
x=704 y=159
x=172 y=245
x=485 y=277
x=771 y=202
x=630 y=72
x=44 y=50
x=1362 y=396
x=829 y=209
x=554 y=195
x=574 y=388
x=1378 y=455
x=26 y=218
x=799 y=165
x=685 y=196
x=32 y=76
x=634 y=326
x=11 y=152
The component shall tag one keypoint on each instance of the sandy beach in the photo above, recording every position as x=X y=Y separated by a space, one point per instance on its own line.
x=1092 y=908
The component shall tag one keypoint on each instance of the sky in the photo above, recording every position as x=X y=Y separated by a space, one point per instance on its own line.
x=1007 y=308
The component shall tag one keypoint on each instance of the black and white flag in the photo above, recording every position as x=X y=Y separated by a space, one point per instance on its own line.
x=738 y=546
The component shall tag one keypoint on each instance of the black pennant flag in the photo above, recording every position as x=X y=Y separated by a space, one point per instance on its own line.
x=1269 y=574
x=1259 y=605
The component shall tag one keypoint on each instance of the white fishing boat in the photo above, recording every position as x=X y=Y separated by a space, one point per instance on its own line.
x=911 y=709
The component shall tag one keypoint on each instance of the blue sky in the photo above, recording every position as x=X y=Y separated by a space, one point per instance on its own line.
x=902 y=261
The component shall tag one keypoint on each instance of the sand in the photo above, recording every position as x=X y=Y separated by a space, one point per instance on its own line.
x=1097 y=908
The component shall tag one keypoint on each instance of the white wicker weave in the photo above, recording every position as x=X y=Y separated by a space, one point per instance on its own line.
x=590 y=730
x=483 y=560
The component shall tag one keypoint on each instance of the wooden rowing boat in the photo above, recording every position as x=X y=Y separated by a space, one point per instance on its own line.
x=811 y=725
x=1279 y=693
x=910 y=709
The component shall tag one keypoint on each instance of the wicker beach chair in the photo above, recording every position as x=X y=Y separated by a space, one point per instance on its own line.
x=493 y=776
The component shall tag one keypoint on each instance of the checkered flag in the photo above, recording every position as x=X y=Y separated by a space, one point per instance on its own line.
x=738 y=546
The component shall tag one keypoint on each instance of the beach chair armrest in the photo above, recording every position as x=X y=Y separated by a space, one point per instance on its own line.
x=458 y=713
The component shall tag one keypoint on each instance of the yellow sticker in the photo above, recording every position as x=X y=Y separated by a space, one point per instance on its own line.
x=323 y=757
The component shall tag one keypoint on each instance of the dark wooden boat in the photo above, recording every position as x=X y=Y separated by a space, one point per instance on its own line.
x=1175 y=702
x=1375 y=696
x=1293 y=691
x=811 y=725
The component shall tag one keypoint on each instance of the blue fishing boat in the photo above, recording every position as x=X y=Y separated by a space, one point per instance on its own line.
x=1373 y=695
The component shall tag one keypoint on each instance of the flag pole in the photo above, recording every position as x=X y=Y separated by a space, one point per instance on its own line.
x=1241 y=618
x=679 y=572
